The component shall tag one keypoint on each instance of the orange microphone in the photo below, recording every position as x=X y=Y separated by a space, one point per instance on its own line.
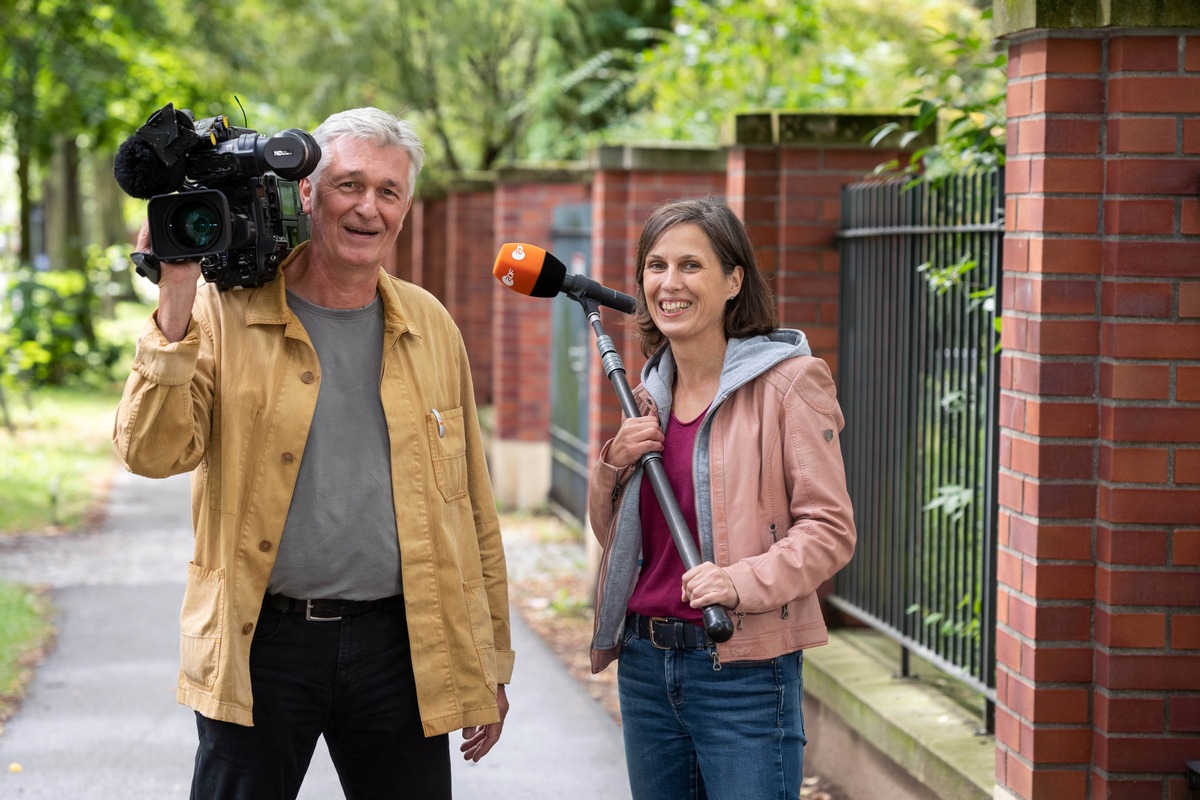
x=528 y=269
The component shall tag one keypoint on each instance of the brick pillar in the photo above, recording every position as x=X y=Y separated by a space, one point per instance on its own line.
x=786 y=173
x=402 y=261
x=435 y=267
x=1098 y=640
x=470 y=254
x=629 y=182
x=520 y=443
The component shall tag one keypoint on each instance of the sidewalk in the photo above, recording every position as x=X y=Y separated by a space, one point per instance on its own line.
x=101 y=720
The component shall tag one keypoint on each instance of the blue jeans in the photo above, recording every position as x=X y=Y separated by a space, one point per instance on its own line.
x=695 y=733
x=351 y=681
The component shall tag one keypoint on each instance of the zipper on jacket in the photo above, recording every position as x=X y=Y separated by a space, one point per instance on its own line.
x=741 y=618
x=783 y=612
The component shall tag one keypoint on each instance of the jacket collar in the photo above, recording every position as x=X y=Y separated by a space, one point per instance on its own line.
x=268 y=303
x=745 y=359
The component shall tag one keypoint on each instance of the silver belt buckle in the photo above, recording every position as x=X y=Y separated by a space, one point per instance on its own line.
x=308 y=614
x=653 y=639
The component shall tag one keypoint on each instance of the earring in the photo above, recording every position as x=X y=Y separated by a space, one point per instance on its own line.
x=732 y=296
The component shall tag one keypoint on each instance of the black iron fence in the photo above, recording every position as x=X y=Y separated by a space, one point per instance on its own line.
x=919 y=385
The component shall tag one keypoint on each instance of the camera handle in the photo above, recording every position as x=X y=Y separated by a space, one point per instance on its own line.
x=147 y=265
x=717 y=623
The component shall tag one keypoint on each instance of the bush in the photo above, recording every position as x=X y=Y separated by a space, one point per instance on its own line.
x=48 y=331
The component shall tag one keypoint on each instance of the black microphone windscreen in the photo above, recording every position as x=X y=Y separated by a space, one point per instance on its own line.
x=142 y=174
x=550 y=279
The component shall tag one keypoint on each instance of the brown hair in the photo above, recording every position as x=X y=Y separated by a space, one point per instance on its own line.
x=752 y=312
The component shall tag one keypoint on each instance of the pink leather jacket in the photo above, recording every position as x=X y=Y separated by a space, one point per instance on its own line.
x=771 y=501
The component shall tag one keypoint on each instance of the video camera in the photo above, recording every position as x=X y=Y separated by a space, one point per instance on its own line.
x=225 y=196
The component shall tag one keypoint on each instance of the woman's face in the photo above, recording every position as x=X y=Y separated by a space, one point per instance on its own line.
x=685 y=288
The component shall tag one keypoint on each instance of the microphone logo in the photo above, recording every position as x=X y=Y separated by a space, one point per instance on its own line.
x=508 y=279
x=518 y=254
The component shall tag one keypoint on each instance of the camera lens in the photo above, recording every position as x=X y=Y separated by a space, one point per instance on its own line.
x=194 y=225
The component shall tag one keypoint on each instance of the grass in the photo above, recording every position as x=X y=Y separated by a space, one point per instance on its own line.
x=55 y=465
x=25 y=633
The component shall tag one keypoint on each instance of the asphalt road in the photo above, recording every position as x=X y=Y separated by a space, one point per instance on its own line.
x=101 y=722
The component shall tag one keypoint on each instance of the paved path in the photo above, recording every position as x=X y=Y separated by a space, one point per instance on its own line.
x=101 y=720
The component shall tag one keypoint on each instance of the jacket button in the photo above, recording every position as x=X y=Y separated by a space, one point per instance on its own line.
x=264 y=545
x=249 y=626
x=287 y=458
x=308 y=377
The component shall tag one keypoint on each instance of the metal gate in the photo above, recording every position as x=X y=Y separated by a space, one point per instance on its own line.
x=571 y=241
x=919 y=382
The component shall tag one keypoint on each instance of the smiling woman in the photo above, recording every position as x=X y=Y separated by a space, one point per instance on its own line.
x=744 y=422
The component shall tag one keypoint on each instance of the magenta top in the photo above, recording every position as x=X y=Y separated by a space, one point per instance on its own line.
x=660 y=583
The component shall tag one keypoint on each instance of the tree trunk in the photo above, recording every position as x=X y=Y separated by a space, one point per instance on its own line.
x=74 y=247
x=110 y=221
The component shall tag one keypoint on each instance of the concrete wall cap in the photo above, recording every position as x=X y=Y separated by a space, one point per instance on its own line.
x=654 y=157
x=1016 y=16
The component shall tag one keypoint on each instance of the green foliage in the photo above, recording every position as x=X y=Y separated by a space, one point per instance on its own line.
x=963 y=102
x=966 y=626
x=48 y=334
x=729 y=56
x=952 y=500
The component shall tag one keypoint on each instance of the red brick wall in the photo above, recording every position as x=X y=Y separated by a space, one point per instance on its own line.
x=790 y=199
x=621 y=202
x=435 y=265
x=401 y=261
x=1098 y=678
x=521 y=325
x=470 y=253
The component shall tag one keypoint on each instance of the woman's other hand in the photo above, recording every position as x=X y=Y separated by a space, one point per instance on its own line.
x=635 y=438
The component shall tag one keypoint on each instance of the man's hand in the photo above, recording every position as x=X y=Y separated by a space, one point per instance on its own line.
x=176 y=290
x=479 y=739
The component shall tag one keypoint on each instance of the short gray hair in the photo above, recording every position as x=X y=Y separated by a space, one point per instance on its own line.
x=376 y=127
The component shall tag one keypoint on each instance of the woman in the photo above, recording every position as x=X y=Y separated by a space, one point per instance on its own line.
x=747 y=423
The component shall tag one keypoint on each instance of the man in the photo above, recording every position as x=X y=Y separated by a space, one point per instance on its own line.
x=348 y=577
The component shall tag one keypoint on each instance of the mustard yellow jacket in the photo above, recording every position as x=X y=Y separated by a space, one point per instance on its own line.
x=232 y=403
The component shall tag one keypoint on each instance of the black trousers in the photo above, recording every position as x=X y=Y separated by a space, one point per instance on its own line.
x=349 y=680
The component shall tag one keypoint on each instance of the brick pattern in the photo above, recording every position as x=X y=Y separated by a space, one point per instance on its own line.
x=790 y=200
x=1100 y=417
x=521 y=326
x=621 y=202
x=470 y=253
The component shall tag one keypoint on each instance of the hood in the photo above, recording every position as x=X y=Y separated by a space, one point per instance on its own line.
x=745 y=360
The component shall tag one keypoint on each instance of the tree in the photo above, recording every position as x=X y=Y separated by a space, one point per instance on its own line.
x=726 y=56
x=486 y=81
x=70 y=70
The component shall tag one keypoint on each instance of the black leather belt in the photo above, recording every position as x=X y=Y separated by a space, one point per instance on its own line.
x=327 y=610
x=669 y=633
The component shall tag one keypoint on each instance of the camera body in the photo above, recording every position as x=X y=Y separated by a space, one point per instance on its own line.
x=236 y=207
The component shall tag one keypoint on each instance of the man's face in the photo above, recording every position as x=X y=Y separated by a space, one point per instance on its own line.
x=358 y=206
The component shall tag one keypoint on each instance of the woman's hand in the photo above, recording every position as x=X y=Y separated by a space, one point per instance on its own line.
x=635 y=438
x=707 y=585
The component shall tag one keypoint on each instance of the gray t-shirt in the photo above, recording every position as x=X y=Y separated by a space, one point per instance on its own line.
x=340 y=541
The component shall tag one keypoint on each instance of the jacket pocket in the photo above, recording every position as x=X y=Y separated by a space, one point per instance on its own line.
x=448 y=447
x=480 y=616
x=200 y=625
